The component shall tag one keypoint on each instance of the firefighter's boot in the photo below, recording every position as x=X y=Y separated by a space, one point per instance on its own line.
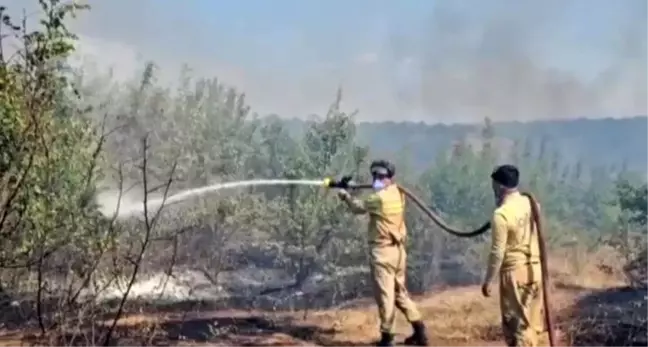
x=419 y=337
x=386 y=339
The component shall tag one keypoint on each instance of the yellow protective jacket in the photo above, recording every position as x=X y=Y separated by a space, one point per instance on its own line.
x=515 y=240
x=386 y=209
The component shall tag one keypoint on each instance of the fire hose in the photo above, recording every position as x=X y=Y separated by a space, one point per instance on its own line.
x=347 y=183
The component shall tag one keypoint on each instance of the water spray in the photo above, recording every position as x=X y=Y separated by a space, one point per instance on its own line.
x=132 y=208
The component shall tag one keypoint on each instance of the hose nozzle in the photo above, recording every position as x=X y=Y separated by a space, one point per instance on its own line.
x=346 y=182
x=342 y=183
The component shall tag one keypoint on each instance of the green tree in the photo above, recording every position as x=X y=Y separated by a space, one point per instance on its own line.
x=316 y=231
x=48 y=162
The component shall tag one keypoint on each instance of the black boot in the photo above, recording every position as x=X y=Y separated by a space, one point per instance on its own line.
x=419 y=338
x=386 y=339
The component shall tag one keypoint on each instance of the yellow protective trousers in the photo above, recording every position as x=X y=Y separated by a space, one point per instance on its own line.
x=521 y=305
x=388 y=268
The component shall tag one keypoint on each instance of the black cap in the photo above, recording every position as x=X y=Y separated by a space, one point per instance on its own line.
x=506 y=175
x=382 y=168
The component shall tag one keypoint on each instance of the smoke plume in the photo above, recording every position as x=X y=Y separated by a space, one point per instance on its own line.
x=455 y=61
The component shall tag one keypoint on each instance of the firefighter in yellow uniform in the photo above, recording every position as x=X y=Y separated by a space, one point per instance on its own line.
x=387 y=236
x=515 y=255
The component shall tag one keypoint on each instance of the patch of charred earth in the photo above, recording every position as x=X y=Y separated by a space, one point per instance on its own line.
x=611 y=317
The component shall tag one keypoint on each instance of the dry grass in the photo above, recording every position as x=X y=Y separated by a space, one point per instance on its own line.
x=464 y=315
x=452 y=316
x=577 y=269
x=456 y=316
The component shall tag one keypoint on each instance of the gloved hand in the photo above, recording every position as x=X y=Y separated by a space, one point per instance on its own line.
x=344 y=195
x=344 y=181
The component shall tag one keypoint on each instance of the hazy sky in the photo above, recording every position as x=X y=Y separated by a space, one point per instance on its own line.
x=401 y=59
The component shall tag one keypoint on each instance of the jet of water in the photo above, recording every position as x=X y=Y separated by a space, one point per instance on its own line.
x=129 y=209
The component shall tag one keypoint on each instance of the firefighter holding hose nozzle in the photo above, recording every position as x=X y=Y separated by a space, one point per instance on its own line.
x=387 y=236
x=515 y=255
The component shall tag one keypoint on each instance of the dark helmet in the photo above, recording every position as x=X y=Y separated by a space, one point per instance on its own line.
x=382 y=168
x=506 y=175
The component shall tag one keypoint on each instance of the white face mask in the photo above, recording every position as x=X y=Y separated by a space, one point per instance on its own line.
x=378 y=185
